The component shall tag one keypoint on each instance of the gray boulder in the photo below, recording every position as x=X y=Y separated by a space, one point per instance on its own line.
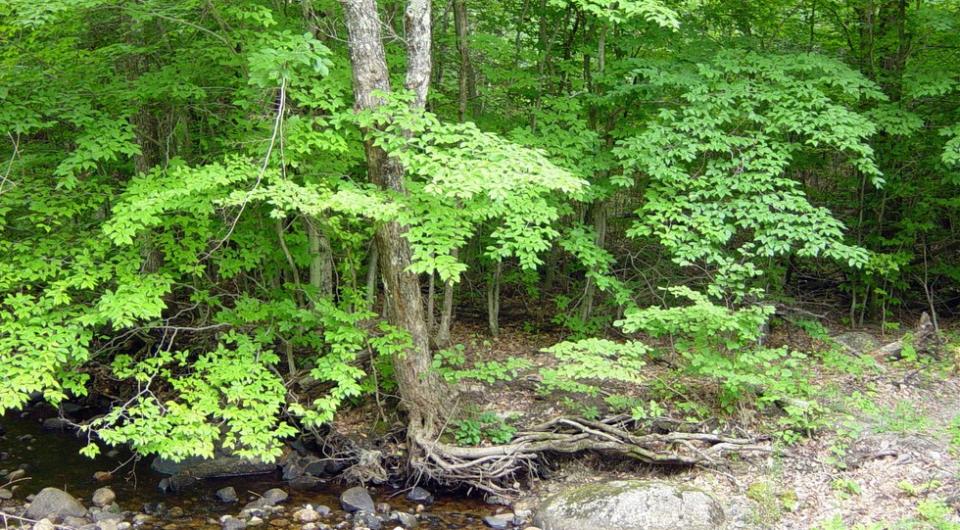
x=630 y=505
x=857 y=342
x=357 y=499
x=52 y=502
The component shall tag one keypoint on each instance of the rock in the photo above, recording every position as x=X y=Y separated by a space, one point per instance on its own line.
x=230 y=522
x=107 y=516
x=280 y=523
x=857 y=342
x=219 y=466
x=630 y=505
x=228 y=494
x=5 y=494
x=275 y=496
x=419 y=495
x=255 y=521
x=54 y=502
x=176 y=512
x=501 y=521
x=406 y=520
x=16 y=474
x=43 y=524
x=103 y=497
x=102 y=476
x=269 y=499
x=317 y=468
x=383 y=507
x=357 y=499
x=141 y=519
x=108 y=524
x=306 y=515
x=74 y=522
x=57 y=424
x=306 y=482
x=367 y=519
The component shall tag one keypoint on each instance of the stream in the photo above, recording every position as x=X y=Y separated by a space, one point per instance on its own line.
x=52 y=459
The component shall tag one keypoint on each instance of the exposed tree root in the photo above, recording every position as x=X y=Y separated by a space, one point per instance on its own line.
x=494 y=468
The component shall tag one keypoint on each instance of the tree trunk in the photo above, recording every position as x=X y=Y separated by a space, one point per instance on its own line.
x=321 y=262
x=422 y=392
x=493 y=300
x=372 y=276
x=442 y=336
x=468 y=83
x=600 y=238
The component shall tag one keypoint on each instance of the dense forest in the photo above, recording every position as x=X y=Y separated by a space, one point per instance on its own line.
x=236 y=223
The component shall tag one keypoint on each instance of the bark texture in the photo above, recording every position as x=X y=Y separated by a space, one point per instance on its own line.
x=421 y=390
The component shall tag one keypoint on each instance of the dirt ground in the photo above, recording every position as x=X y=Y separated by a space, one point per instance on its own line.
x=886 y=456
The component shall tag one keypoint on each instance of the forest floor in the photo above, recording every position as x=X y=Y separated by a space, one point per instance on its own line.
x=885 y=454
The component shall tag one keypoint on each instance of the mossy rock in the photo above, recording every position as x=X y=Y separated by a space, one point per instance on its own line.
x=631 y=505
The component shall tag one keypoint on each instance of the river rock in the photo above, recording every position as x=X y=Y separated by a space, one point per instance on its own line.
x=406 y=520
x=52 y=502
x=630 y=505
x=306 y=515
x=57 y=424
x=5 y=494
x=218 y=466
x=74 y=522
x=228 y=494
x=364 y=519
x=501 y=521
x=275 y=496
x=16 y=474
x=108 y=524
x=230 y=522
x=419 y=495
x=103 y=497
x=44 y=524
x=357 y=499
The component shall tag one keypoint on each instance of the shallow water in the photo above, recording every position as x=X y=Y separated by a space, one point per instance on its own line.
x=53 y=459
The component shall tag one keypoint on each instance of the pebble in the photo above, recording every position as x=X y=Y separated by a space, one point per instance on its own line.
x=500 y=521
x=306 y=515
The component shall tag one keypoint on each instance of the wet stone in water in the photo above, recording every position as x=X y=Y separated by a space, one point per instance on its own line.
x=357 y=499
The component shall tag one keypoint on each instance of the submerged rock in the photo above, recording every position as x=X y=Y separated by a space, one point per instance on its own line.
x=228 y=494
x=52 y=502
x=419 y=495
x=219 y=466
x=630 y=505
x=357 y=499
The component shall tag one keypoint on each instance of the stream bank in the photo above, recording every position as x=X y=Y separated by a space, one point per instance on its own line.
x=36 y=454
